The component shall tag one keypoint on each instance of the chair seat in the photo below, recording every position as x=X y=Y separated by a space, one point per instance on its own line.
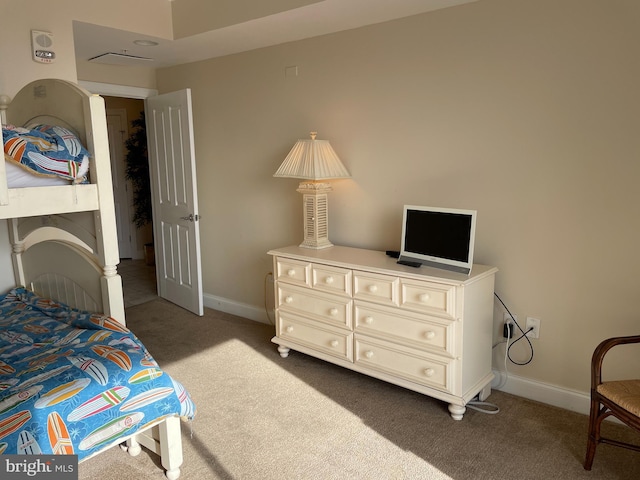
x=618 y=398
x=625 y=393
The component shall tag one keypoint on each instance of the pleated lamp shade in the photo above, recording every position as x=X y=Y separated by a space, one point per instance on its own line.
x=312 y=159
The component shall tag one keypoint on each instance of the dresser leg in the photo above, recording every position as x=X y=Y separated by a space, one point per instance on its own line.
x=484 y=393
x=284 y=351
x=457 y=411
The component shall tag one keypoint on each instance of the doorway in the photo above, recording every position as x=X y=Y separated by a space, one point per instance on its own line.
x=125 y=110
x=138 y=274
x=117 y=126
x=179 y=266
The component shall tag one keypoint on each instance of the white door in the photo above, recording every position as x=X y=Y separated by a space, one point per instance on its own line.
x=116 y=125
x=174 y=196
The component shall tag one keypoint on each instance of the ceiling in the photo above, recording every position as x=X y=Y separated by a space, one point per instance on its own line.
x=319 y=18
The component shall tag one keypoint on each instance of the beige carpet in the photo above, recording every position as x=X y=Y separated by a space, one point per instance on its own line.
x=264 y=417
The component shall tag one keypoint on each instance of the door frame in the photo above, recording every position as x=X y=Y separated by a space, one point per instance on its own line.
x=124 y=91
x=133 y=238
x=112 y=90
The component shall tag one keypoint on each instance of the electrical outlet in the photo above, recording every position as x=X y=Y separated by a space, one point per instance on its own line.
x=533 y=323
x=507 y=331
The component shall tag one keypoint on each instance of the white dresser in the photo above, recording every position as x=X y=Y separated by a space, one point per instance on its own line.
x=425 y=329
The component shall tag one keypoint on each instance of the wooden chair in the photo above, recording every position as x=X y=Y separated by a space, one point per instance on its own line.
x=620 y=398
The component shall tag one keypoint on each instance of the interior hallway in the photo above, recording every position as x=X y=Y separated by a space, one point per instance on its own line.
x=138 y=281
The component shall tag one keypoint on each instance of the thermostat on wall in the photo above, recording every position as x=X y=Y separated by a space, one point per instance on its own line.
x=42 y=47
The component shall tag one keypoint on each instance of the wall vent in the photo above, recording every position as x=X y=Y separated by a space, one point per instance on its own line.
x=111 y=58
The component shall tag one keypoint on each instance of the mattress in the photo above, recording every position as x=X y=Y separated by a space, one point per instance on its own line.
x=74 y=382
x=18 y=177
x=47 y=153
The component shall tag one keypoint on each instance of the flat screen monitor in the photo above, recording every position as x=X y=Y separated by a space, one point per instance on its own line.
x=438 y=237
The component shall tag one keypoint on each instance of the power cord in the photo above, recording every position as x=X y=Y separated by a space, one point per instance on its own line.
x=483 y=407
x=524 y=335
x=504 y=379
x=507 y=350
x=266 y=309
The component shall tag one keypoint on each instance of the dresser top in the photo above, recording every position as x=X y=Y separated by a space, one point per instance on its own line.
x=376 y=261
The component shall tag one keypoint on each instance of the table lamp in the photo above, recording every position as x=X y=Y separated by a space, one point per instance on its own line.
x=313 y=161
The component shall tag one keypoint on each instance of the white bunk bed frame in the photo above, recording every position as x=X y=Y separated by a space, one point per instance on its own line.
x=58 y=102
x=64 y=238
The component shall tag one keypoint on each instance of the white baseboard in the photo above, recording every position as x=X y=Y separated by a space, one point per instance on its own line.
x=237 y=308
x=568 y=399
x=545 y=393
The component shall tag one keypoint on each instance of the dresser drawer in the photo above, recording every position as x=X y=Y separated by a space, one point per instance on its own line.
x=293 y=271
x=428 y=297
x=329 y=308
x=315 y=335
x=331 y=279
x=404 y=362
x=411 y=329
x=376 y=288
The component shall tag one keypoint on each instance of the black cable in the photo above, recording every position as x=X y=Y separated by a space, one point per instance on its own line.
x=524 y=335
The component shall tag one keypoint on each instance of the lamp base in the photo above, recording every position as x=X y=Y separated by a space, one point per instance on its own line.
x=315 y=212
x=315 y=245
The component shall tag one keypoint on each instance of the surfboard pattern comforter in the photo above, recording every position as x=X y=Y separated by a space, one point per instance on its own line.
x=73 y=382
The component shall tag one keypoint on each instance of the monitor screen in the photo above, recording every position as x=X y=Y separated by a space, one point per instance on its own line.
x=439 y=237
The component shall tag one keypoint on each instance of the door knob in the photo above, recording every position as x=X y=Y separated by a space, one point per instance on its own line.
x=191 y=217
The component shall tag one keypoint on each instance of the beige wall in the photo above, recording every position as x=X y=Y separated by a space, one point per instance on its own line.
x=526 y=110
x=140 y=77
x=191 y=17
x=18 y=18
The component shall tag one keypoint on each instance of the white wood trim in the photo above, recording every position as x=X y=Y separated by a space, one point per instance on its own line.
x=566 y=398
x=573 y=400
x=240 y=309
x=123 y=217
x=112 y=90
x=556 y=396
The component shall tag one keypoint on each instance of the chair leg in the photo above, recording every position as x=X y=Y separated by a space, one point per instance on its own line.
x=593 y=437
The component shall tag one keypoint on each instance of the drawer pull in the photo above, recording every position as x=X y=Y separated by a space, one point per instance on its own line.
x=334 y=343
x=429 y=334
x=368 y=319
x=372 y=288
x=289 y=329
x=429 y=372
x=333 y=311
x=424 y=297
x=288 y=299
x=328 y=280
x=368 y=354
x=291 y=272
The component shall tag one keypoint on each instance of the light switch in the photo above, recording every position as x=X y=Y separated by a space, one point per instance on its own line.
x=291 y=71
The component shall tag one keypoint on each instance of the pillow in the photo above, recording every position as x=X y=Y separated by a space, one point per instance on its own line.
x=47 y=150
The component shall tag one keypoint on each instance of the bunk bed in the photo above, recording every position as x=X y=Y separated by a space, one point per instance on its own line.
x=78 y=214
x=63 y=337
